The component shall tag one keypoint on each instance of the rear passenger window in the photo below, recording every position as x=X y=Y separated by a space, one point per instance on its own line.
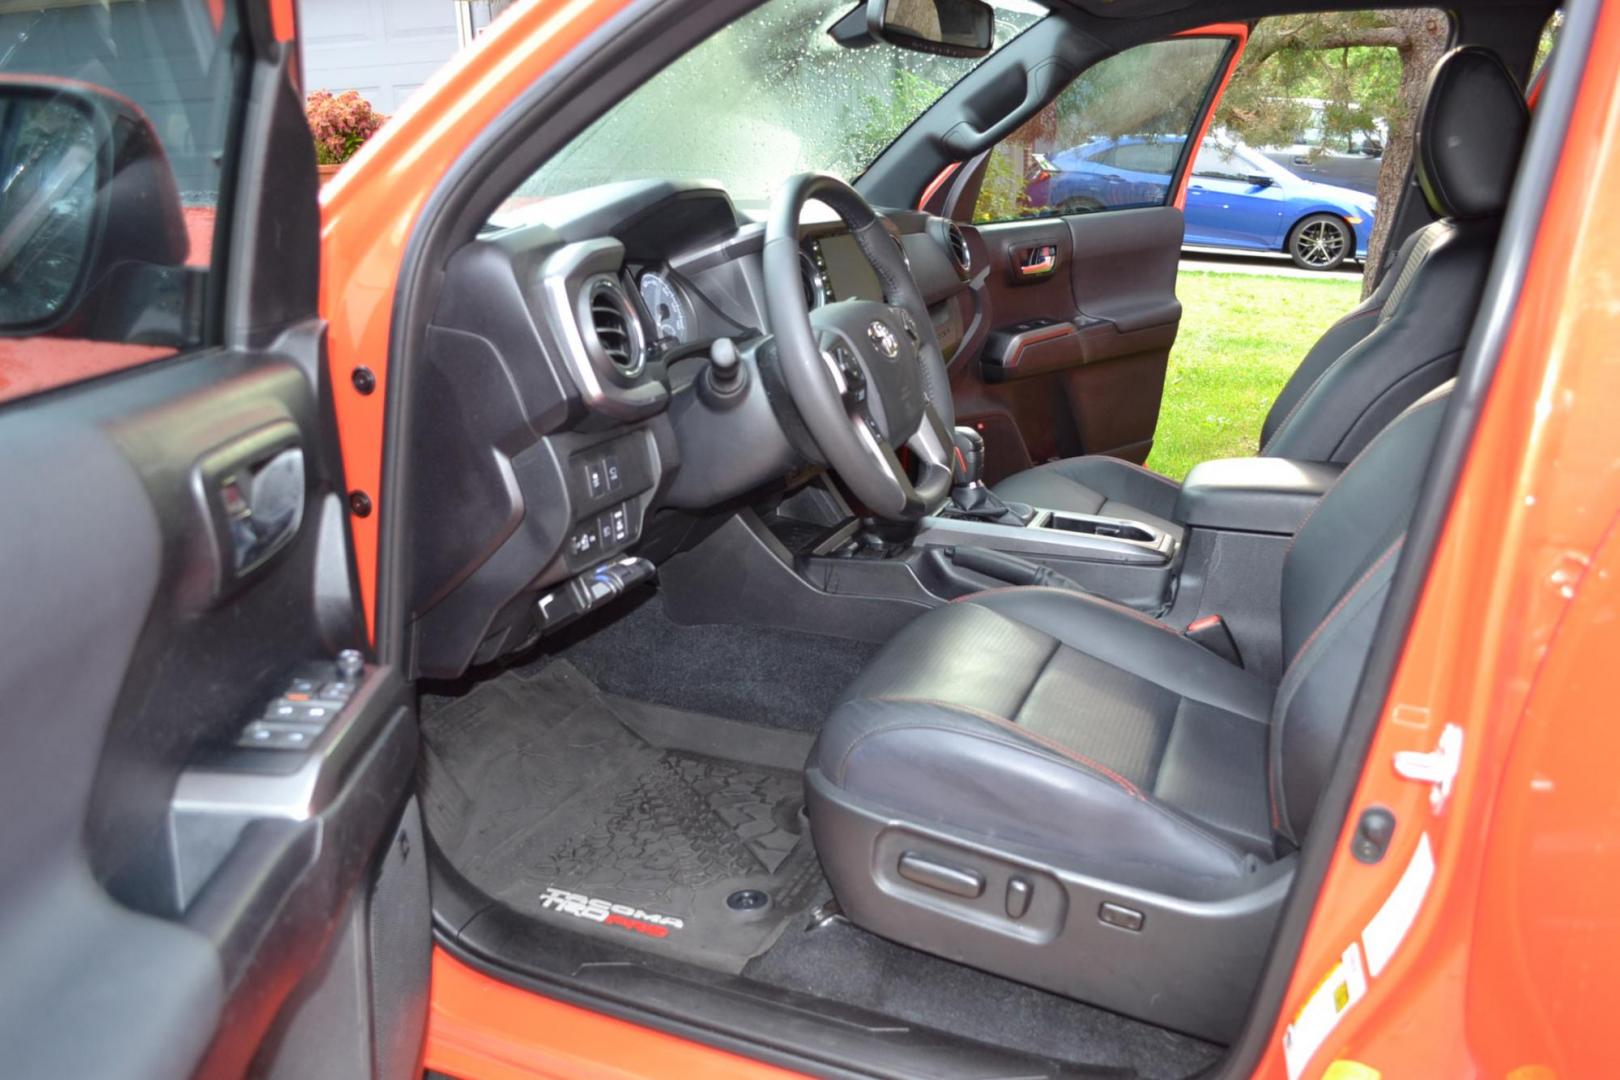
x=1113 y=140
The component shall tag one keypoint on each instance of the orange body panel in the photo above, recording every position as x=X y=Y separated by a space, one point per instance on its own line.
x=1509 y=963
x=936 y=184
x=283 y=20
x=365 y=225
x=486 y=1029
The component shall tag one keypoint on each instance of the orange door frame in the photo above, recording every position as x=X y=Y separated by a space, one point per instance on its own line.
x=1501 y=962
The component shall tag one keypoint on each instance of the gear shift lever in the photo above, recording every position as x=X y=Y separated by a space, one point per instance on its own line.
x=968 y=493
x=969 y=457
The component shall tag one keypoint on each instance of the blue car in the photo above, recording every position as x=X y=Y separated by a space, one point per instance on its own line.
x=1237 y=198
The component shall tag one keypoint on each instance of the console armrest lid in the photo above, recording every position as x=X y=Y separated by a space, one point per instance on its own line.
x=1254 y=494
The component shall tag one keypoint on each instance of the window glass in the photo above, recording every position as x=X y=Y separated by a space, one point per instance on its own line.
x=1148 y=156
x=1110 y=141
x=1224 y=161
x=1214 y=160
x=124 y=110
x=766 y=97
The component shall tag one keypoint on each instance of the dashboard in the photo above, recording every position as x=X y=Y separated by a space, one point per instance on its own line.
x=561 y=411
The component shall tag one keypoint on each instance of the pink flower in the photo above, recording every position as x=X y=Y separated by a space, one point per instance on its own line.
x=340 y=124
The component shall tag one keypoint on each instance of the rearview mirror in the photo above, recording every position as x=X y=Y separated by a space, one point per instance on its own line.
x=965 y=28
x=87 y=206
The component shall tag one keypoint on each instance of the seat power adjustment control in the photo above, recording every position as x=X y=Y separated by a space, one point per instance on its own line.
x=921 y=870
x=1121 y=916
x=1018 y=894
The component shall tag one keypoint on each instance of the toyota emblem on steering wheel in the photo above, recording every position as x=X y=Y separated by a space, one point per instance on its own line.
x=884 y=338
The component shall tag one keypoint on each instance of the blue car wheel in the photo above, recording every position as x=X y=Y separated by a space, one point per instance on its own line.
x=1321 y=242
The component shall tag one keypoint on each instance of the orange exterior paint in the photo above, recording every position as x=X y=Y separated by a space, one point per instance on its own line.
x=483 y=1029
x=1240 y=33
x=936 y=183
x=1509 y=967
x=370 y=209
x=283 y=20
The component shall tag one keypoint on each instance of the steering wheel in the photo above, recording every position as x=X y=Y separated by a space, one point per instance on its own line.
x=865 y=376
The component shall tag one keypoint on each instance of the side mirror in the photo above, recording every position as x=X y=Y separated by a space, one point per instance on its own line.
x=91 y=232
x=965 y=28
x=1260 y=180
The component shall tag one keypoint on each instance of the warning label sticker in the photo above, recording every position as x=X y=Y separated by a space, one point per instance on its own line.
x=1344 y=985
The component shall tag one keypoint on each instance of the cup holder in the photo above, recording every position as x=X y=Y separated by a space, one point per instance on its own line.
x=1109 y=528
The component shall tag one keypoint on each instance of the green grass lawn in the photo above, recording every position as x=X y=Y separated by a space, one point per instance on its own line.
x=1241 y=337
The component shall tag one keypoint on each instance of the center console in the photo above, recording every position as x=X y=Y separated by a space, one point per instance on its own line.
x=808 y=562
x=1128 y=561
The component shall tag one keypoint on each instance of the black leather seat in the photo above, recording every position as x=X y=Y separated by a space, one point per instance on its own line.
x=1065 y=791
x=1399 y=343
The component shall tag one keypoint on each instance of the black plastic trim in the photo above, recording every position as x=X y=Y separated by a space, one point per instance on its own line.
x=634 y=44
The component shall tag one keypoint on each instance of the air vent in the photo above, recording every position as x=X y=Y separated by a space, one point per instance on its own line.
x=958 y=245
x=615 y=328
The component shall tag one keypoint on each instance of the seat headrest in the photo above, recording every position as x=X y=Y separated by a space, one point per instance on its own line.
x=1469 y=134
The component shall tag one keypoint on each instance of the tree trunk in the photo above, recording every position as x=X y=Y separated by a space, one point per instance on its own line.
x=1426 y=34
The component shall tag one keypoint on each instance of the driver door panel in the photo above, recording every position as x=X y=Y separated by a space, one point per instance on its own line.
x=176 y=898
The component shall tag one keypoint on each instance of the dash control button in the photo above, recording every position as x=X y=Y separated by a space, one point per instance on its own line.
x=273 y=736
x=282 y=709
x=1123 y=917
x=614 y=482
x=595 y=478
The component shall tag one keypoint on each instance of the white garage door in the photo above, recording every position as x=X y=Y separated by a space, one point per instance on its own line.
x=383 y=48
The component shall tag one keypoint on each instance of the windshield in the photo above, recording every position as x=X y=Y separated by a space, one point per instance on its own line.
x=766 y=97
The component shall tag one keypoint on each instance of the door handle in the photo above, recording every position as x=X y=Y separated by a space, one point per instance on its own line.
x=264 y=505
x=1037 y=262
x=250 y=494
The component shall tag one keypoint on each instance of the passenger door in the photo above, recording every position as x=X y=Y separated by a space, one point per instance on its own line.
x=1078 y=229
x=211 y=863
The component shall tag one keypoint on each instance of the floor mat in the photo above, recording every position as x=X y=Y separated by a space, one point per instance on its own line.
x=675 y=832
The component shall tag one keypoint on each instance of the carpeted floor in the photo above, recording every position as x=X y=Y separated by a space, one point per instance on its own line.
x=757 y=675
x=847 y=964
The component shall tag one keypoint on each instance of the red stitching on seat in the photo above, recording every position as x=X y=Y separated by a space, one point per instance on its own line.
x=1095 y=601
x=1345 y=599
x=1271 y=797
x=1350 y=468
x=1024 y=732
